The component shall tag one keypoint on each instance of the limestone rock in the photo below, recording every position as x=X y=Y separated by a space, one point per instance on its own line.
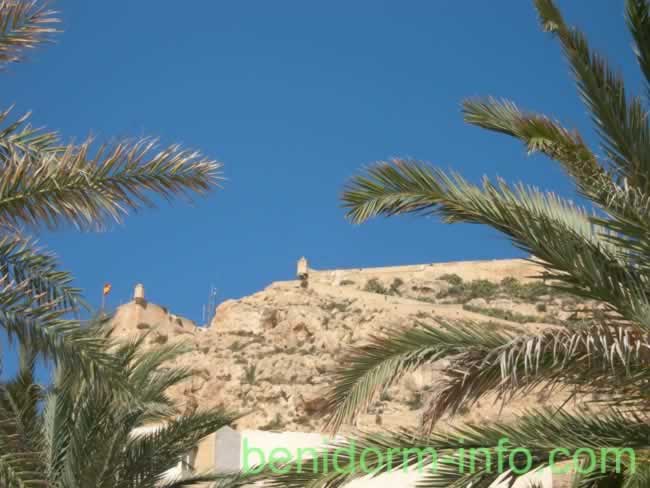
x=273 y=353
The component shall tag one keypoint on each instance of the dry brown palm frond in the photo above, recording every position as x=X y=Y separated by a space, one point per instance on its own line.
x=24 y=25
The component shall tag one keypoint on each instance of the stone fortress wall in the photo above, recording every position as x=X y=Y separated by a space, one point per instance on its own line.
x=493 y=270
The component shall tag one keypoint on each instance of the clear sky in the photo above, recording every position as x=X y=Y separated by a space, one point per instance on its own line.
x=295 y=97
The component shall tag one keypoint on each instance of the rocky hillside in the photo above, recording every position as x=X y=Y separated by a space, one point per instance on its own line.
x=270 y=353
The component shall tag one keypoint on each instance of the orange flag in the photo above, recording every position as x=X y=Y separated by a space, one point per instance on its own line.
x=107 y=288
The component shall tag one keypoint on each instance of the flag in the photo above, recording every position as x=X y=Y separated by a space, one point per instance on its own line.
x=107 y=288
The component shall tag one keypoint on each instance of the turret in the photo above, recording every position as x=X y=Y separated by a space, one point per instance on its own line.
x=138 y=294
x=302 y=271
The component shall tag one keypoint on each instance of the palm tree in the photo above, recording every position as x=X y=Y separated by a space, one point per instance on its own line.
x=79 y=433
x=600 y=254
x=48 y=182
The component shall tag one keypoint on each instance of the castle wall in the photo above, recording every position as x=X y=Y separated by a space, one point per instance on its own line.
x=494 y=270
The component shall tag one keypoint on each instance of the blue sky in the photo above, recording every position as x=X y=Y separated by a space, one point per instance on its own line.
x=294 y=97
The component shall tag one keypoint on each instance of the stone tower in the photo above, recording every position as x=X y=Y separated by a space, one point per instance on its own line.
x=139 y=301
x=302 y=271
x=138 y=294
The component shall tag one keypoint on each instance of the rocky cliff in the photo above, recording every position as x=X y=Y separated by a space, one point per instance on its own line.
x=270 y=353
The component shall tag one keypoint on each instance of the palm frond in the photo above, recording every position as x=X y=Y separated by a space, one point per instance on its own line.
x=19 y=137
x=24 y=25
x=57 y=424
x=637 y=15
x=45 y=328
x=148 y=455
x=573 y=250
x=78 y=350
x=84 y=419
x=151 y=379
x=83 y=188
x=37 y=272
x=623 y=126
x=20 y=463
x=367 y=370
x=99 y=431
x=627 y=218
x=539 y=134
x=612 y=361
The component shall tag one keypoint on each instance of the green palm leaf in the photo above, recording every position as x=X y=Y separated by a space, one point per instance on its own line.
x=638 y=21
x=612 y=361
x=376 y=366
x=83 y=188
x=540 y=134
x=84 y=420
x=554 y=230
x=623 y=126
x=37 y=272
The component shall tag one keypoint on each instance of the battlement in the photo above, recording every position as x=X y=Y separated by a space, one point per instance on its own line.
x=492 y=270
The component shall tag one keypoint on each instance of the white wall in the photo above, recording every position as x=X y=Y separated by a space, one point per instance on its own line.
x=229 y=457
